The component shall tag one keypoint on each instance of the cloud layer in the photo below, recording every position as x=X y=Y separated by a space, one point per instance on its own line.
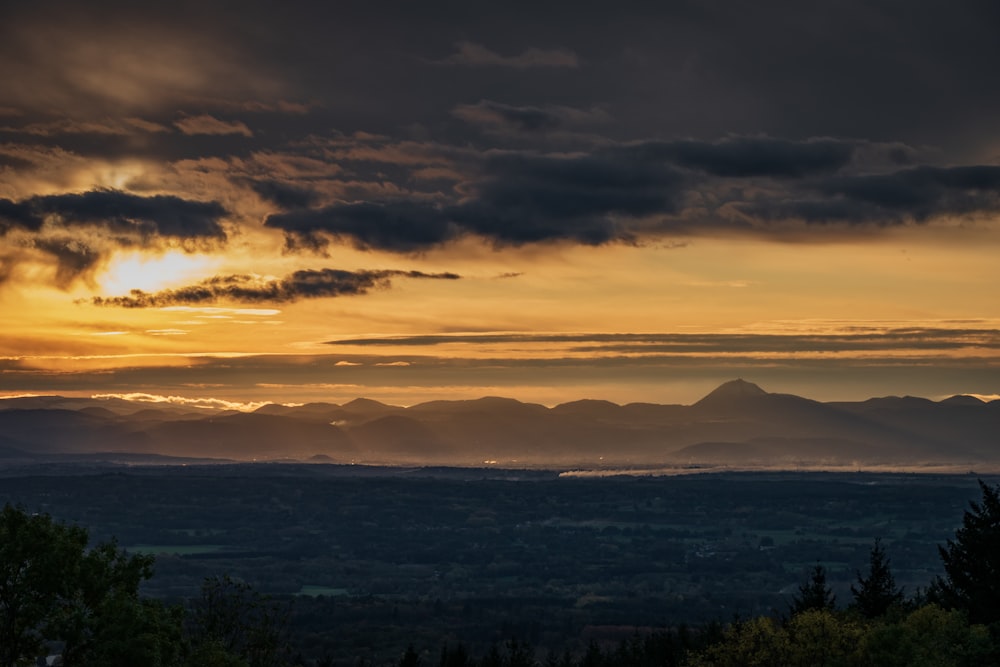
x=248 y=289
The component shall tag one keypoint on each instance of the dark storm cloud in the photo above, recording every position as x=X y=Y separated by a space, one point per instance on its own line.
x=919 y=195
x=924 y=191
x=399 y=226
x=18 y=214
x=882 y=71
x=638 y=75
x=528 y=198
x=304 y=284
x=282 y=194
x=123 y=213
x=520 y=198
x=746 y=156
x=601 y=196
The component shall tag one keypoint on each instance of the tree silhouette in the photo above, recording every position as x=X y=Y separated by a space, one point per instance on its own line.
x=233 y=620
x=876 y=593
x=972 y=561
x=814 y=594
x=54 y=589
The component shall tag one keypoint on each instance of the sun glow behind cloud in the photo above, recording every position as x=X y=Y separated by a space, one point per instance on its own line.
x=136 y=270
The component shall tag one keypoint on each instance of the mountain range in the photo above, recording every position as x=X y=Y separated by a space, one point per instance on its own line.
x=736 y=425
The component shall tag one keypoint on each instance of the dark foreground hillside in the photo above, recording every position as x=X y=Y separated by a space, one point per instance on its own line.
x=376 y=559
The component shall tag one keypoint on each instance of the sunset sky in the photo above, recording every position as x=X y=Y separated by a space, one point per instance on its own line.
x=232 y=203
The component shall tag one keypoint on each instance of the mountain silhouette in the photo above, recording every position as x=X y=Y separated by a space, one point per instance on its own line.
x=736 y=424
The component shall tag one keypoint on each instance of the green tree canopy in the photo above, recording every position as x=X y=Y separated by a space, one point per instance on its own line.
x=54 y=589
x=34 y=579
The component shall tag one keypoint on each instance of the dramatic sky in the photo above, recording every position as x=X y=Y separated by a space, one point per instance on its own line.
x=636 y=201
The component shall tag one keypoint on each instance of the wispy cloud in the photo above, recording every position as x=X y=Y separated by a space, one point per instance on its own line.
x=205 y=124
x=476 y=55
x=529 y=119
x=859 y=341
x=201 y=403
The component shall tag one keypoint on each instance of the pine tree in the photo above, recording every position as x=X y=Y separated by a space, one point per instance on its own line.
x=814 y=594
x=876 y=593
x=972 y=561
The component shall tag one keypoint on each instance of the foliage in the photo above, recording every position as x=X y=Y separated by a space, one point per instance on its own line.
x=876 y=592
x=814 y=594
x=928 y=637
x=54 y=589
x=232 y=619
x=34 y=551
x=972 y=561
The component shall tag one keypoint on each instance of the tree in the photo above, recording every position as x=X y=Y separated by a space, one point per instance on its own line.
x=758 y=642
x=54 y=589
x=232 y=619
x=972 y=561
x=876 y=593
x=814 y=594
x=410 y=657
x=928 y=637
x=36 y=555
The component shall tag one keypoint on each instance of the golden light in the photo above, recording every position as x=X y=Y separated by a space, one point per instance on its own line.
x=150 y=273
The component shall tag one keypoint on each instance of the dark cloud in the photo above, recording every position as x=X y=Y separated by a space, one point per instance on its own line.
x=399 y=226
x=924 y=192
x=526 y=118
x=747 y=157
x=282 y=194
x=527 y=198
x=519 y=197
x=18 y=214
x=123 y=213
x=73 y=257
x=477 y=55
x=767 y=78
x=304 y=284
x=78 y=231
x=523 y=118
x=911 y=195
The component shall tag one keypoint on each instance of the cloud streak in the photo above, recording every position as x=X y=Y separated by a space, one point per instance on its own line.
x=529 y=119
x=305 y=284
x=206 y=124
x=857 y=340
x=470 y=54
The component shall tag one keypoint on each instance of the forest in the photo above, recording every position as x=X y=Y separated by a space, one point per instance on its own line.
x=348 y=565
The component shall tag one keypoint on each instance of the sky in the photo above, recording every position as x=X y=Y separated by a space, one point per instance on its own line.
x=232 y=203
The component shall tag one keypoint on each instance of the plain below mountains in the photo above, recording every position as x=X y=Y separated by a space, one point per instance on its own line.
x=738 y=425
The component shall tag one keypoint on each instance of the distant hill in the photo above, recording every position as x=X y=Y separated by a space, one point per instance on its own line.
x=737 y=424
